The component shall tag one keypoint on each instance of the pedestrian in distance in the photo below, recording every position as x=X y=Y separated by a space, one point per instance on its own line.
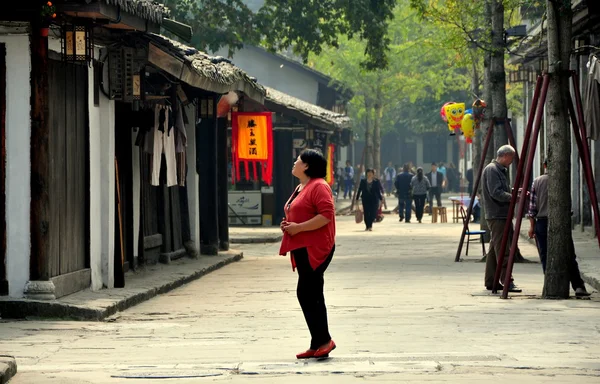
x=348 y=180
x=496 y=194
x=404 y=192
x=538 y=229
x=437 y=183
x=370 y=194
x=309 y=235
x=420 y=186
x=389 y=175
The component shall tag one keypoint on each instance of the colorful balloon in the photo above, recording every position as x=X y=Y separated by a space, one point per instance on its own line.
x=443 y=111
x=455 y=113
x=468 y=127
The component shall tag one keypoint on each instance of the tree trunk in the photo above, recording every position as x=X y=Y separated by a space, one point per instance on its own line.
x=485 y=124
x=368 y=161
x=477 y=145
x=378 y=111
x=497 y=74
x=560 y=251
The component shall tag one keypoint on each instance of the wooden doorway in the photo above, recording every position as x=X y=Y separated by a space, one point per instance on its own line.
x=69 y=162
x=3 y=277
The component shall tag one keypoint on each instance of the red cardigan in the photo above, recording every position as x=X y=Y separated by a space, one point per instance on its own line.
x=314 y=199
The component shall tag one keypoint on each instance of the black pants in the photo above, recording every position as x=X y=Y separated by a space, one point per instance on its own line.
x=404 y=208
x=419 y=205
x=310 y=296
x=437 y=192
x=371 y=206
x=541 y=234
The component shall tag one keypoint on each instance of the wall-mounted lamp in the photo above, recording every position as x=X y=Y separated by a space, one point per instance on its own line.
x=77 y=44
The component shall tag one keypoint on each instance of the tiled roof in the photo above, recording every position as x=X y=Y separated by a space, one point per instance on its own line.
x=322 y=115
x=146 y=9
x=215 y=73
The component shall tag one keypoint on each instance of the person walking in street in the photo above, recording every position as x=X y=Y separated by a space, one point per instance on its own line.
x=453 y=177
x=538 y=229
x=470 y=181
x=370 y=193
x=436 y=181
x=348 y=180
x=496 y=194
x=309 y=235
x=420 y=186
x=389 y=177
x=403 y=189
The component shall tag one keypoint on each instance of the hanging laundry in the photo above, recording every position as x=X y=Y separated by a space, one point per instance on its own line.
x=180 y=143
x=592 y=99
x=161 y=139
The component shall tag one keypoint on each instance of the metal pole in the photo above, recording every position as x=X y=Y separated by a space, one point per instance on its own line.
x=531 y=142
x=586 y=161
x=488 y=137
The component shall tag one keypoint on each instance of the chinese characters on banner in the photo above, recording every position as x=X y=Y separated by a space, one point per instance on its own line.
x=252 y=144
x=320 y=142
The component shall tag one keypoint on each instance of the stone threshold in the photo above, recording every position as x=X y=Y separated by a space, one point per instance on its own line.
x=88 y=305
x=8 y=368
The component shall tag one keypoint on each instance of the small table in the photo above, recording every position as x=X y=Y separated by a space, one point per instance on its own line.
x=457 y=201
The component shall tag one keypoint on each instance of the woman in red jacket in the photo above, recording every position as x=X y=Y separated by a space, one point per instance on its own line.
x=309 y=235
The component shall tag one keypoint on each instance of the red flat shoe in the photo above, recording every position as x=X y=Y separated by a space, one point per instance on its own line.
x=306 y=355
x=324 y=351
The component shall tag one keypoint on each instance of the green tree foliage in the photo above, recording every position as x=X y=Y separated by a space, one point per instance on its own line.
x=425 y=70
x=305 y=26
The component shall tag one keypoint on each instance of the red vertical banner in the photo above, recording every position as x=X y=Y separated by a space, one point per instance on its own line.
x=252 y=144
x=330 y=177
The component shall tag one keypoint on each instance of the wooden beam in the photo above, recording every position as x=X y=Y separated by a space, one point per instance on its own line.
x=39 y=215
x=3 y=280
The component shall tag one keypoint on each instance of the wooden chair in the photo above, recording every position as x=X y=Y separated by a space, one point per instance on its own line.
x=441 y=213
x=470 y=233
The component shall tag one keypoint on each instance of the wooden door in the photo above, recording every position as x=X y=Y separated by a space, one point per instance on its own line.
x=3 y=277
x=69 y=180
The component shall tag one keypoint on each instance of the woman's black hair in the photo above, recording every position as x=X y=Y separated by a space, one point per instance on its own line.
x=317 y=164
x=370 y=170
x=420 y=174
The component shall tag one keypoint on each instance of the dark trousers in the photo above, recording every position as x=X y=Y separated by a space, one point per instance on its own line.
x=390 y=186
x=497 y=229
x=437 y=192
x=541 y=235
x=370 y=207
x=404 y=208
x=348 y=188
x=419 y=205
x=310 y=296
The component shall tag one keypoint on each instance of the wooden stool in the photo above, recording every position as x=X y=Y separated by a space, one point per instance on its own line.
x=443 y=216
x=441 y=212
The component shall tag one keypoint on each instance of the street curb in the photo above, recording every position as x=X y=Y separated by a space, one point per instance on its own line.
x=23 y=308
x=590 y=280
x=256 y=240
x=8 y=368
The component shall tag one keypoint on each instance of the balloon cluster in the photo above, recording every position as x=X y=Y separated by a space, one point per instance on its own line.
x=457 y=118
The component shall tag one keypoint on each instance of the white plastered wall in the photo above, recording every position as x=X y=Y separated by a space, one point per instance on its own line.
x=102 y=221
x=18 y=163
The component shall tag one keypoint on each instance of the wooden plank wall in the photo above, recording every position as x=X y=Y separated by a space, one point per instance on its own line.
x=69 y=183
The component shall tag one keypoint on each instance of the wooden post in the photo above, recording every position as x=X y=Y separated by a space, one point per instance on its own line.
x=39 y=215
x=222 y=183
x=206 y=162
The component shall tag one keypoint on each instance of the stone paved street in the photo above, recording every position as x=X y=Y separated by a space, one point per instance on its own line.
x=400 y=311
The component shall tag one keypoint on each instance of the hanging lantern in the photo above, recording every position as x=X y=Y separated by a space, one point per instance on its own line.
x=77 y=45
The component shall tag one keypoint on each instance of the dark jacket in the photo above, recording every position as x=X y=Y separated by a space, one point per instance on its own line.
x=439 y=179
x=496 y=191
x=374 y=194
x=402 y=184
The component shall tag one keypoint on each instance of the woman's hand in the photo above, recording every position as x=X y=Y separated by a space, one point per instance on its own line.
x=292 y=228
x=283 y=224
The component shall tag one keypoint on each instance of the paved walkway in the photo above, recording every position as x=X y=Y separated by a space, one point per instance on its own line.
x=400 y=309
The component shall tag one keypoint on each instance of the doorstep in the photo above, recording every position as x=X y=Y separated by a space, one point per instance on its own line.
x=140 y=286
